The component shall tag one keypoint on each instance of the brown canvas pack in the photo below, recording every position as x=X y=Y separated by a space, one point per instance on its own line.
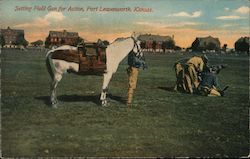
x=91 y=59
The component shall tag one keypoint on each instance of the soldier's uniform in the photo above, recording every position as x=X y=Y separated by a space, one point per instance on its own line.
x=187 y=73
x=209 y=85
x=134 y=63
x=195 y=66
x=180 y=75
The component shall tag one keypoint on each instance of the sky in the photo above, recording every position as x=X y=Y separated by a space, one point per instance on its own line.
x=227 y=20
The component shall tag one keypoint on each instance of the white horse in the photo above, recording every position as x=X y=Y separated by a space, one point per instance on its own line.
x=115 y=53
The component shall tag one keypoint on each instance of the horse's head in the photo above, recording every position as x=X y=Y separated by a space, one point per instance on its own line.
x=138 y=52
x=137 y=47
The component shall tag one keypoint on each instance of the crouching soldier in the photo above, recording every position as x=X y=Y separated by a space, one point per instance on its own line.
x=195 y=66
x=135 y=62
x=187 y=73
x=209 y=83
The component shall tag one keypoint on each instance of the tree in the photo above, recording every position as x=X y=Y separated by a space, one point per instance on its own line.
x=63 y=42
x=224 y=48
x=170 y=44
x=37 y=43
x=2 y=41
x=106 y=43
x=143 y=45
x=177 y=48
x=78 y=41
x=47 y=42
x=154 y=45
x=164 y=46
x=21 y=41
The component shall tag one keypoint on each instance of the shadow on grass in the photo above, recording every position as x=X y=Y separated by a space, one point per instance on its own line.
x=117 y=98
x=78 y=98
x=71 y=98
x=169 y=89
x=45 y=99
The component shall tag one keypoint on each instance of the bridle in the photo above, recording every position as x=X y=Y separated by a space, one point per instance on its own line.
x=139 y=52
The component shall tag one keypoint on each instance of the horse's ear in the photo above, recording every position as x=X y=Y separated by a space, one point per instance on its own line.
x=135 y=35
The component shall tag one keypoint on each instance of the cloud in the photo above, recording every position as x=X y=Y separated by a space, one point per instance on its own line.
x=243 y=10
x=188 y=15
x=182 y=24
x=42 y=22
x=84 y=19
x=232 y=26
x=172 y=25
x=226 y=9
x=235 y=14
x=150 y=24
x=229 y=25
x=56 y=16
x=37 y=23
x=229 y=17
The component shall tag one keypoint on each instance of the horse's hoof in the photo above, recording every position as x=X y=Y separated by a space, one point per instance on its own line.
x=104 y=103
x=54 y=104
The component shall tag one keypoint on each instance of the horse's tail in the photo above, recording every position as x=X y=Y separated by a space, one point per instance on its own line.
x=49 y=65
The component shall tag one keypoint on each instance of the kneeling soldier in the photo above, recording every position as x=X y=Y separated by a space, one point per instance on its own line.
x=209 y=83
x=134 y=62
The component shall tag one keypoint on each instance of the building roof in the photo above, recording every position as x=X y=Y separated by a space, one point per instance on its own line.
x=157 y=38
x=63 y=33
x=208 y=38
x=243 y=39
x=37 y=42
x=12 y=30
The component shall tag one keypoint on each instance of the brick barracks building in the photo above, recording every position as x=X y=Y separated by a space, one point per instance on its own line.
x=12 y=37
x=152 y=42
x=58 y=38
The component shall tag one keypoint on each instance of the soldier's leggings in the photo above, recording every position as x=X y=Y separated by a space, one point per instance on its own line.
x=132 y=81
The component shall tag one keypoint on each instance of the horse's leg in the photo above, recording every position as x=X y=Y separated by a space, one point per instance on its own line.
x=106 y=80
x=53 y=97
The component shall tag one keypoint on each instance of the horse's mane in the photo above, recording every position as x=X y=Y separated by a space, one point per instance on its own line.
x=63 y=47
x=120 y=39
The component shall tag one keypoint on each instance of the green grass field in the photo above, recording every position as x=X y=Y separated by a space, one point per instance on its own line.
x=160 y=123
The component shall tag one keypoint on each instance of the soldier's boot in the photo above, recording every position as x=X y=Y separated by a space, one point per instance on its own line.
x=130 y=98
x=215 y=93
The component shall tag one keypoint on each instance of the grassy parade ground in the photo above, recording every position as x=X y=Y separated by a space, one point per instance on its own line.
x=161 y=122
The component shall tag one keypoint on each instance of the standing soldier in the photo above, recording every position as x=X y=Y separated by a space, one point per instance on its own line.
x=135 y=62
